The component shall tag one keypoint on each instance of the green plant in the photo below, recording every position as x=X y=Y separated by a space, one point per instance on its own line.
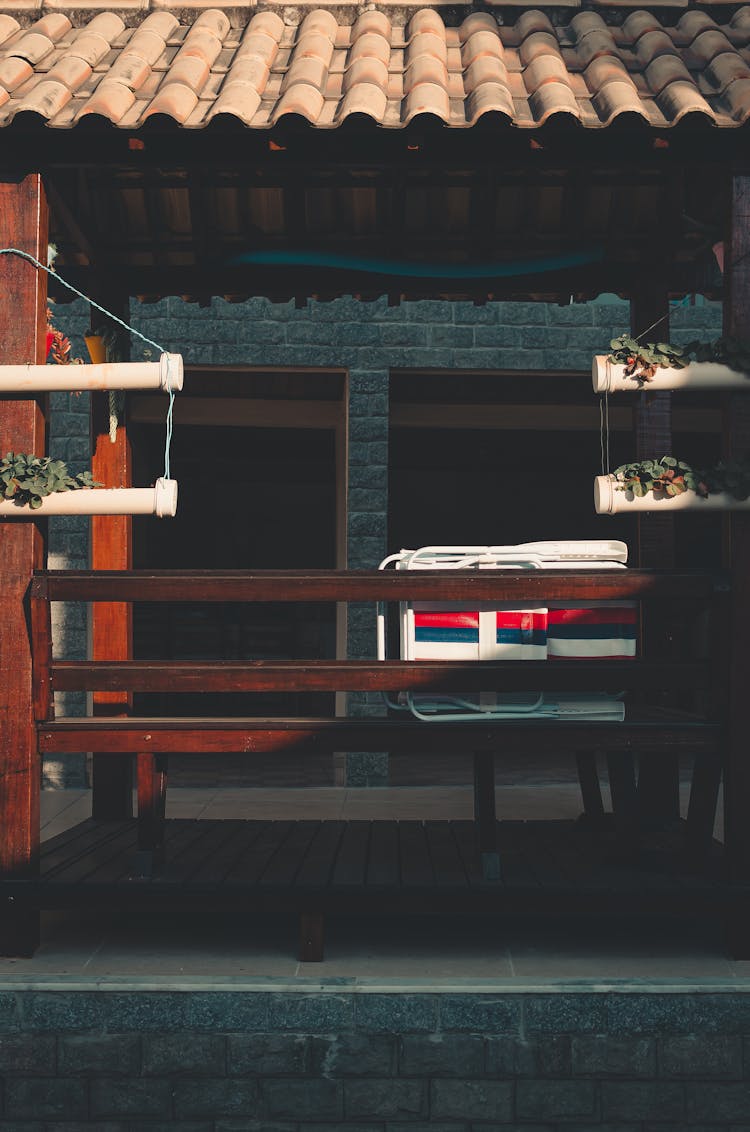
x=669 y=476
x=665 y=477
x=726 y=351
x=27 y=479
x=642 y=359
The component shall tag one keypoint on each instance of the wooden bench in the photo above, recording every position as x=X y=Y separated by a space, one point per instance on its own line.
x=647 y=730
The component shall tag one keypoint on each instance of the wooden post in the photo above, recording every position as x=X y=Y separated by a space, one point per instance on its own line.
x=736 y=420
x=658 y=778
x=111 y=549
x=23 y=320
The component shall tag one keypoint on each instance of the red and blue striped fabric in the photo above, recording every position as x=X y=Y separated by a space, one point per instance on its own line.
x=484 y=634
x=446 y=634
x=447 y=627
x=521 y=627
x=601 y=632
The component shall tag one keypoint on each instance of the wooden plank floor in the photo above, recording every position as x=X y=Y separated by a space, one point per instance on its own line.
x=359 y=866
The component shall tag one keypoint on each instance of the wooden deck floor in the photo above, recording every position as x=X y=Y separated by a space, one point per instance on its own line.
x=358 y=867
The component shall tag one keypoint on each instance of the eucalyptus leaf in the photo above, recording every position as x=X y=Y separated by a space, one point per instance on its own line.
x=28 y=479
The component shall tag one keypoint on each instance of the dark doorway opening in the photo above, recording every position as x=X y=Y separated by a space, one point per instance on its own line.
x=251 y=498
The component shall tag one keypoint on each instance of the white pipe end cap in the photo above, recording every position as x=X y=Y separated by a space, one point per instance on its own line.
x=604 y=495
x=165 y=498
x=171 y=372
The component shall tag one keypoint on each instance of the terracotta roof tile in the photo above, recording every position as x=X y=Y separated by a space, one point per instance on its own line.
x=681 y=98
x=726 y=69
x=740 y=21
x=8 y=27
x=663 y=70
x=693 y=23
x=737 y=96
x=32 y=47
x=46 y=98
x=14 y=72
x=304 y=60
x=639 y=23
x=536 y=44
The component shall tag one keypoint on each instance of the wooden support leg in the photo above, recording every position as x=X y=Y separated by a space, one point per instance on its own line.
x=484 y=813
x=112 y=786
x=624 y=792
x=704 y=797
x=658 y=790
x=311 y=937
x=152 y=794
x=591 y=792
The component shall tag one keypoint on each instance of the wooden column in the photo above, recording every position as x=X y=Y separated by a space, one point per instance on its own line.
x=24 y=225
x=736 y=414
x=658 y=776
x=111 y=549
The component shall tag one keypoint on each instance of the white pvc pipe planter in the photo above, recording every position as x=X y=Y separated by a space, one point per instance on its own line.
x=159 y=500
x=166 y=374
x=609 y=501
x=608 y=377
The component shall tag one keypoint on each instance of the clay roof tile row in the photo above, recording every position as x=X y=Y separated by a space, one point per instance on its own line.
x=324 y=70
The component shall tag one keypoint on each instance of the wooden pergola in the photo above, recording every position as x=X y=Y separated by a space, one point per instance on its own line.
x=158 y=210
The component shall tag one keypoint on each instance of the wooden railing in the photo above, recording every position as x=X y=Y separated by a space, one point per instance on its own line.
x=648 y=729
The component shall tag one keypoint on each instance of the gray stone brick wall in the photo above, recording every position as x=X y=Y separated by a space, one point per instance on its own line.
x=369 y=340
x=624 y=1058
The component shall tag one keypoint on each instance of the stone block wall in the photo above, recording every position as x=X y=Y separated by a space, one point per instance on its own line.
x=369 y=340
x=624 y=1058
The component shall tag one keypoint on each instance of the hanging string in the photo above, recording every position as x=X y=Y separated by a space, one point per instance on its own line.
x=663 y=318
x=169 y=422
x=125 y=326
x=674 y=303
x=604 y=432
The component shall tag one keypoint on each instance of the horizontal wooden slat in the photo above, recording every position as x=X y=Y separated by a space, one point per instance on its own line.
x=371 y=585
x=376 y=676
x=665 y=731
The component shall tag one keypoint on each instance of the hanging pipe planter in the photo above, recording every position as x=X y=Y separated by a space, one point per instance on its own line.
x=634 y=365
x=159 y=500
x=32 y=486
x=37 y=485
x=167 y=374
x=608 y=500
x=669 y=484
x=611 y=377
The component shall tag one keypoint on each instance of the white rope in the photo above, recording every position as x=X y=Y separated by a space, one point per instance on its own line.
x=131 y=330
x=604 y=432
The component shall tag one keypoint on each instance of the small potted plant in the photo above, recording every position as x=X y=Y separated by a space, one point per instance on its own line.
x=633 y=365
x=31 y=486
x=672 y=484
x=59 y=349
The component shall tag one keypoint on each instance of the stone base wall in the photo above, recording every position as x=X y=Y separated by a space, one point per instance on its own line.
x=269 y=1060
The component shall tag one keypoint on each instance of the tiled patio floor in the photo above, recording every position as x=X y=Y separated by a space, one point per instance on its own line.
x=99 y=945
